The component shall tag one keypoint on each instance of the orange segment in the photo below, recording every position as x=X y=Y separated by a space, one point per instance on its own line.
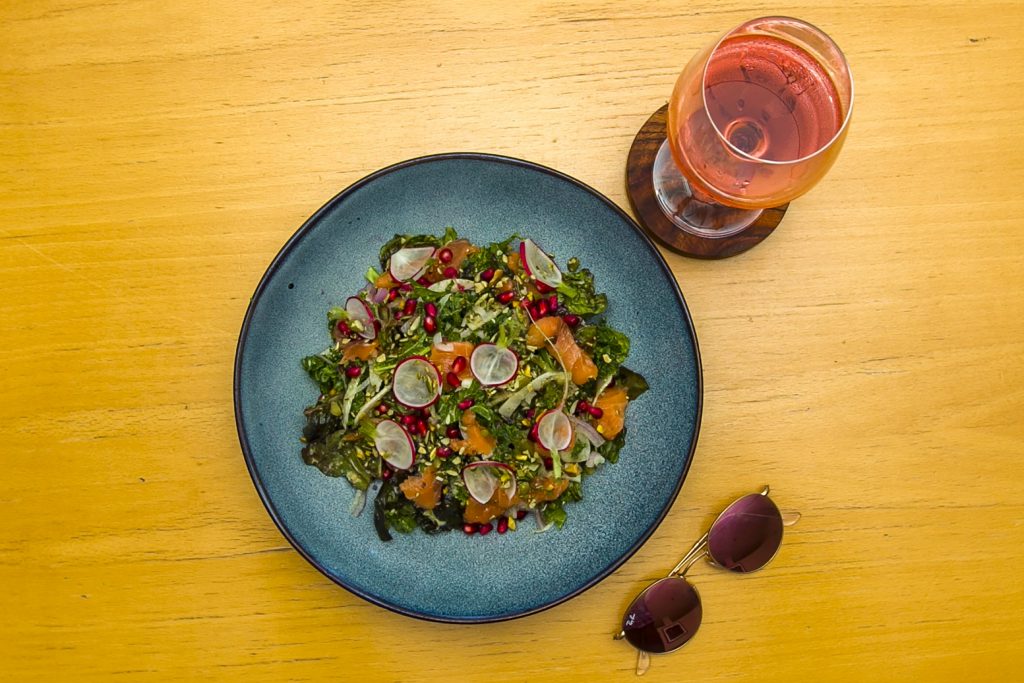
x=359 y=350
x=544 y=327
x=481 y=513
x=423 y=490
x=443 y=359
x=476 y=439
x=542 y=489
x=385 y=281
x=613 y=402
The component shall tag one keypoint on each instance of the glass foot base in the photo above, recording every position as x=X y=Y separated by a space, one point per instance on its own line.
x=687 y=211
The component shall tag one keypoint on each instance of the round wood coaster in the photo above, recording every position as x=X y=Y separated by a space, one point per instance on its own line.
x=640 y=189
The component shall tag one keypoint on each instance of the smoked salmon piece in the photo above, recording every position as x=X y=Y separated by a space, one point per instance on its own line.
x=558 y=337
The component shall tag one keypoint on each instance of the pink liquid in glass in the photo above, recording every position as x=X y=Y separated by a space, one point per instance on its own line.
x=772 y=101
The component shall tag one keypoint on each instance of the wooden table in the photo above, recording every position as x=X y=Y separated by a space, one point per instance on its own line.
x=865 y=360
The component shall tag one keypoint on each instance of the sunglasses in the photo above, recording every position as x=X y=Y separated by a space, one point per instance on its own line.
x=667 y=614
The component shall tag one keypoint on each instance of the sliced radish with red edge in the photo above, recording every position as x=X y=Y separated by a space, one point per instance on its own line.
x=359 y=311
x=554 y=430
x=539 y=265
x=394 y=444
x=493 y=365
x=410 y=262
x=417 y=382
x=483 y=478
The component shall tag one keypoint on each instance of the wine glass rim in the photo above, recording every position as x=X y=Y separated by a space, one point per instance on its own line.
x=772 y=162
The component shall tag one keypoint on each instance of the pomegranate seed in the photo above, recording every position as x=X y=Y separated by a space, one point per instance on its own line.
x=548 y=462
x=444 y=451
x=430 y=324
x=535 y=312
x=410 y=307
x=405 y=287
x=542 y=308
x=453 y=380
x=571 y=320
x=381 y=409
x=445 y=255
x=582 y=407
x=542 y=288
x=353 y=371
x=431 y=308
x=453 y=432
x=470 y=529
x=532 y=436
x=596 y=412
x=465 y=404
x=344 y=328
x=487 y=275
x=407 y=420
x=530 y=412
x=450 y=272
x=553 y=302
x=459 y=364
x=502 y=525
x=485 y=529
x=385 y=473
x=505 y=297
x=376 y=326
x=392 y=295
x=423 y=281
x=422 y=428
x=521 y=514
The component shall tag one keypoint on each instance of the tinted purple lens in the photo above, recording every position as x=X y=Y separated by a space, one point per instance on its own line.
x=663 y=617
x=747 y=535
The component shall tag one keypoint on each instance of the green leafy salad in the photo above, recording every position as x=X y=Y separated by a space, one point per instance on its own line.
x=468 y=386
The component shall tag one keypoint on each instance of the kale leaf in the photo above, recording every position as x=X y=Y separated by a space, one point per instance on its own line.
x=610 y=449
x=323 y=369
x=338 y=454
x=578 y=295
x=634 y=383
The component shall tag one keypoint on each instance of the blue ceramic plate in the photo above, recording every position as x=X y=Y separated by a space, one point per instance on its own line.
x=453 y=577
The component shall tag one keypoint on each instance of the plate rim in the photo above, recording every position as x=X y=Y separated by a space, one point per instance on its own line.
x=286 y=249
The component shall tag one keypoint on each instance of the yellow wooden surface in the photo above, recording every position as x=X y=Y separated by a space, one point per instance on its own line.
x=865 y=360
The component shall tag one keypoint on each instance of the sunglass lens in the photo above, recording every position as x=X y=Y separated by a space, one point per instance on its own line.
x=663 y=617
x=747 y=535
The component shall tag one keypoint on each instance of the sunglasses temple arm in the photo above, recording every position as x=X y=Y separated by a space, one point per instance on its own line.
x=699 y=549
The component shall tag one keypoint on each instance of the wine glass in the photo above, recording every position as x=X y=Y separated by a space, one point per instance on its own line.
x=755 y=120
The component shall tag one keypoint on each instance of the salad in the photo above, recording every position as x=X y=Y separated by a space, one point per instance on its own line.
x=469 y=386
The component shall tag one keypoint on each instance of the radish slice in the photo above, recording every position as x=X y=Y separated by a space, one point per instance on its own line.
x=417 y=382
x=458 y=283
x=554 y=431
x=409 y=263
x=482 y=479
x=539 y=265
x=359 y=311
x=493 y=365
x=394 y=444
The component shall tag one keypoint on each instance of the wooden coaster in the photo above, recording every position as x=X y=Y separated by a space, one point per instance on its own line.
x=640 y=188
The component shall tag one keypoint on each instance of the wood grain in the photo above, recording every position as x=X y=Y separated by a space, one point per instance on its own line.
x=866 y=360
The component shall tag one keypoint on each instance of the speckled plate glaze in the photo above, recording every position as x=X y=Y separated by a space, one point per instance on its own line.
x=453 y=577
